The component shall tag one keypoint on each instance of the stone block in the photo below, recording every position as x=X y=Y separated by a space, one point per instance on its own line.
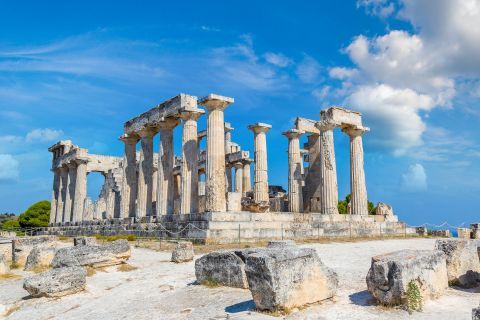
x=390 y=274
x=84 y=241
x=441 y=233
x=288 y=277
x=463 y=265
x=464 y=233
x=234 y=201
x=280 y=243
x=226 y=268
x=421 y=231
x=57 y=282
x=117 y=252
x=183 y=252
x=39 y=257
x=21 y=247
x=4 y=268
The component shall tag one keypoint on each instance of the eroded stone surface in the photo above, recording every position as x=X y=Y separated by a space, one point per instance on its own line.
x=57 y=282
x=183 y=252
x=390 y=274
x=280 y=243
x=288 y=277
x=463 y=265
x=39 y=257
x=3 y=264
x=226 y=268
x=84 y=241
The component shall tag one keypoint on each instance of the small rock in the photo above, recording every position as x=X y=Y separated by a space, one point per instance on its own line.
x=57 y=282
x=39 y=257
x=183 y=252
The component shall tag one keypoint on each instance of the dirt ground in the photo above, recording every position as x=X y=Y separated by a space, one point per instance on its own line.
x=159 y=289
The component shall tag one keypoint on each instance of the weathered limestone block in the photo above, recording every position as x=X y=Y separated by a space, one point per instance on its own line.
x=280 y=243
x=111 y=254
x=57 y=282
x=183 y=252
x=421 y=231
x=476 y=313
x=234 y=201
x=3 y=264
x=84 y=241
x=21 y=247
x=227 y=268
x=463 y=265
x=464 y=233
x=441 y=233
x=39 y=257
x=390 y=274
x=384 y=209
x=8 y=234
x=288 y=277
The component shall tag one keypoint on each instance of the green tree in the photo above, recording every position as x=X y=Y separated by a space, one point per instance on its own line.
x=37 y=215
x=10 y=225
x=343 y=206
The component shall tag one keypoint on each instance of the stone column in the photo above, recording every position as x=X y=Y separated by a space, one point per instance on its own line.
x=145 y=172
x=295 y=196
x=239 y=177
x=228 y=177
x=215 y=198
x=260 y=187
x=358 y=188
x=247 y=181
x=129 y=183
x=165 y=188
x=55 y=195
x=328 y=170
x=63 y=186
x=70 y=194
x=189 y=194
x=80 y=191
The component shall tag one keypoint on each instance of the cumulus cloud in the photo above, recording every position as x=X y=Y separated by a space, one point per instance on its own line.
x=381 y=8
x=414 y=179
x=43 y=135
x=277 y=59
x=9 y=168
x=308 y=69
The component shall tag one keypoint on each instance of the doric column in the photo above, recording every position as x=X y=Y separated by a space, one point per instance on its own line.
x=328 y=170
x=165 y=188
x=70 y=194
x=247 y=181
x=80 y=190
x=145 y=172
x=63 y=186
x=189 y=194
x=129 y=183
x=55 y=195
x=260 y=187
x=312 y=191
x=215 y=199
x=228 y=177
x=238 y=177
x=358 y=188
x=295 y=196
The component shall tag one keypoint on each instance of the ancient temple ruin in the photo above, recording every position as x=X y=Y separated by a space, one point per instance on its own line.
x=212 y=189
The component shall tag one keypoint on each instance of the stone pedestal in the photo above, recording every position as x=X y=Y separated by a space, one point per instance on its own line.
x=80 y=191
x=129 y=183
x=165 y=188
x=260 y=187
x=359 y=202
x=215 y=196
x=295 y=197
x=145 y=172
x=328 y=173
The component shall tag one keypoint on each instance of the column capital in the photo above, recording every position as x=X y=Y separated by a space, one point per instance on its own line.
x=259 y=127
x=192 y=115
x=238 y=165
x=355 y=131
x=324 y=125
x=168 y=124
x=293 y=133
x=147 y=132
x=215 y=101
x=129 y=138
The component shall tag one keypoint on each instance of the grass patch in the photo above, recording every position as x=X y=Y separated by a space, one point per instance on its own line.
x=414 y=297
x=128 y=237
x=39 y=269
x=209 y=282
x=9 y=276
x=14 y=265
x=125 y=267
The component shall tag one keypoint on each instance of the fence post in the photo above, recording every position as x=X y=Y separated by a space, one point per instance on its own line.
x=405 y=226
x=282 y=231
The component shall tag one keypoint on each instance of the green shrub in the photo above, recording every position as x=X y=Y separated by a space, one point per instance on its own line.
x=414 y=298
x=10 y=225
x=37 y=215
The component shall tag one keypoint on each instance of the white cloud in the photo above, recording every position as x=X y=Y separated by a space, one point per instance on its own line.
x=277 y=59
x=381 y=8
x=9 y=168
x=308 y=69
x=43 y=135
x=414 y=179
x=342 y=73
x=321 y=93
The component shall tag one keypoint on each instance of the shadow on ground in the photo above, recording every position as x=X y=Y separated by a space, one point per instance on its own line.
x=362 y=298
x=241 y=307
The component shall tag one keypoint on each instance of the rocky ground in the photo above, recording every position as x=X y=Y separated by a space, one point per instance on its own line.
x=159 y=289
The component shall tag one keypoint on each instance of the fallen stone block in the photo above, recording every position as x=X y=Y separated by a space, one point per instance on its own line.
x=224 y=268
x=21 y=247
x=111 y=254
x=39 y=257
x=463 y=264
x=4 y=268
x=288 y=277
x=57 y=282
x=183 y=252
x=390 y=274
x=280 y=243
x=476 y=313
x=84 y=241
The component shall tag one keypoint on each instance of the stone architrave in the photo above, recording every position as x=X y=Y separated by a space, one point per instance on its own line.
x=295 y=179
x=166 y=186
x=328 y=170
x=260 y=188
x=129 y=183
x=215 y=193
x=189 y=184
x=247 y=181
x=145 y=172
x=70 y=194
x=80 y=190
x=358 y=188
x=238 y=177
x=55 y=195
x=63 y=192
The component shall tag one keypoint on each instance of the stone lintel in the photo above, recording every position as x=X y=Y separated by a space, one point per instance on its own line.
x=341 y=117
x=237 y=156
x=61 y=143
x=215 y=101
x=171 y=108
x=306 y=125
x=260 y=127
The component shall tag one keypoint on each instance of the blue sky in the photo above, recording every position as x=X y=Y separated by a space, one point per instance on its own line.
x=79 y=70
